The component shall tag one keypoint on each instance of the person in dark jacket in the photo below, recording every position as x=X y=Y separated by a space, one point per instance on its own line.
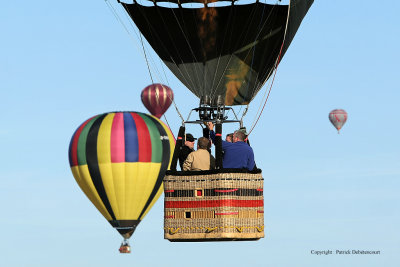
x=186 y=149
x=237 y=155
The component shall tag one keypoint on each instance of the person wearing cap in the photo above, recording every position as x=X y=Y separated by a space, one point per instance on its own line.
x=186 y=149
x=238 y=154
x=201 y=159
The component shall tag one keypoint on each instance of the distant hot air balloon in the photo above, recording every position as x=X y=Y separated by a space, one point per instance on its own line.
x=157 y=98
x=119 y=160
x=338 y=118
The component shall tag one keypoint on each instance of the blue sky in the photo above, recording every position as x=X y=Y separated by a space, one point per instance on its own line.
x=63 y=62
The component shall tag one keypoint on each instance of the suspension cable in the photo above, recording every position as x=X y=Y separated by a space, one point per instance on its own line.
x=115 y=13
x=142 y=49
x=276 y=69
x=145 y=56
x=190 y=81
x=272 y=83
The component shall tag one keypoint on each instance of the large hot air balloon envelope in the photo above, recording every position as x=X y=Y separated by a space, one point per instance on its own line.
x=157 y=98
x=338 y=118
x=119 y=160
x=228 y=50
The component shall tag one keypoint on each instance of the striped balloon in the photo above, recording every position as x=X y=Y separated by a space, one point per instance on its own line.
x=157 y=98
x=119 y=160
x=338 y=118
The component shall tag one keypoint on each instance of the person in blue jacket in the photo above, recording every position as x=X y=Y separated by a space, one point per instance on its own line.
x=238 y=154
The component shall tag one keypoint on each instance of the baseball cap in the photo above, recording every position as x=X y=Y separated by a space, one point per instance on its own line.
x=190 y=137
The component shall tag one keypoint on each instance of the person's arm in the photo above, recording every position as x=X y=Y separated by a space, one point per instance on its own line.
x=210 y=127
x=187 y=165
x=212 y=136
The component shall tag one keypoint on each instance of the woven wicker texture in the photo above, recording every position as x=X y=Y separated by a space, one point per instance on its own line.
x=221 y=206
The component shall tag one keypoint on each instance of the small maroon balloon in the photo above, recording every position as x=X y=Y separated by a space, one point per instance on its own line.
x=338 y=118
x=157 y=98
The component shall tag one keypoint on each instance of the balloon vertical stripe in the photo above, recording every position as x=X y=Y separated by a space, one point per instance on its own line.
x=118 y=139
x=144 y=140
x=93 y=164
x=170 y=137
x=108 y=173
x=104 y=139
x=156 y=146
x=131 y=139
x=165 y=152
x=82 y=160
x=73 y=147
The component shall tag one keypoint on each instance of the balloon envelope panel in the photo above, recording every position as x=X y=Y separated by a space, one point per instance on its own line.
x=227 y=50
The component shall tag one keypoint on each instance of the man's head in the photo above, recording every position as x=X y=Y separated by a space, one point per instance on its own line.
x=238 y=136
x=189 y=140
x=229 y=138
x=203 y=143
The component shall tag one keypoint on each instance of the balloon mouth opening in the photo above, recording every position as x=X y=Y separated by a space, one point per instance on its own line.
x=125 y=227
x=126 y=232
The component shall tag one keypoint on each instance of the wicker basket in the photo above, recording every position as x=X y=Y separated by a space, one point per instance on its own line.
x=213 y=206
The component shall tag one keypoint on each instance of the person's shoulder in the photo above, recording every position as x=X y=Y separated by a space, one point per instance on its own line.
x=202 y=152
x=194 y=152
x=245 y=146
x=226 y=143
x=190 y=155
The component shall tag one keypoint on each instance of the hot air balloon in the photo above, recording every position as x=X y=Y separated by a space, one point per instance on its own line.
x=119 y=160
x=338 y=118
x=223 y=52
x=157 y=98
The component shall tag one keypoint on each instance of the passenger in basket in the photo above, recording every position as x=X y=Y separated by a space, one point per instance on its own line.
x=201 y=159
x=229 y=138
x=237 y=155
x=186 y=149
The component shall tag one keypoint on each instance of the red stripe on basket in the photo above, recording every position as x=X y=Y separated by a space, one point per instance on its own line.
x=260 y=211
x=260 y=189
x=169 y=217
x=227 y=213
x=225 y=191
x=169 y=191
x=214 y=203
